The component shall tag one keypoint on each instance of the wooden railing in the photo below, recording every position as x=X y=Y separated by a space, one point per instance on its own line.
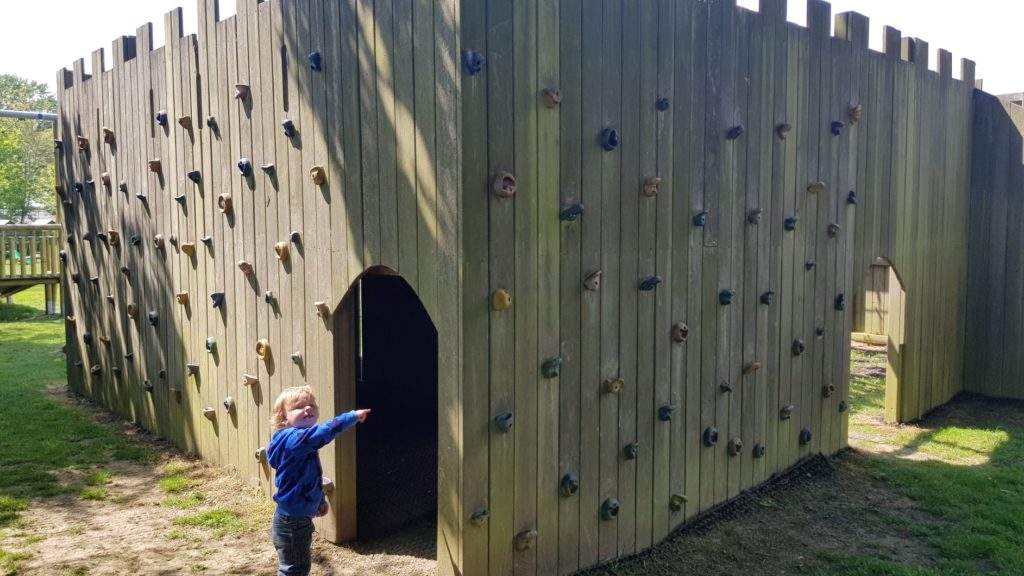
x=29 y=252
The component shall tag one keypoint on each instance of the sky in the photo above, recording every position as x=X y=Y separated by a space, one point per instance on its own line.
x=41 y=36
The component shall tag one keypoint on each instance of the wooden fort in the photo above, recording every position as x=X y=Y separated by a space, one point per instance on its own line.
x=594 y=265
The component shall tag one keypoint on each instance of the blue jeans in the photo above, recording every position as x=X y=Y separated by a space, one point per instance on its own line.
x=292 y=537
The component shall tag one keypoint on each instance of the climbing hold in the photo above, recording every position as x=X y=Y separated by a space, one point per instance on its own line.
x=501 y=300
x=318 y=175
x=327 y=485
x=141 y=196
x=161 y=118
x=245 y=267
x=78 y=363
x=593 y=281
x=224 y=203
x=207 y=241
x=241 y=91
x=79 y=187
x=571 y=213
x=289 y=127
x=661 y=104
x=262 y=349
x=810 y=264
x=725 y=387
x=855 y=114
x=751 y=368
x=551 y=367
x=211 y=122
x=503 y=422
x=787 y=412
x=229 y=404
x=249 y=380
x=147 y=385
x=108 y=135
x=91 y=183
x=105 y=179
x=154 y=165
x=211 y=344
x=87 y=338
x=473 y=61
x=294 y=236
x=755 y=216
x=122 y=186
x=127 y=272
x=110 y=298
x=63 y=255
x=133 y=311
x=725 y=296
x=609 y=139
x=676 y=501
x=158 y=241
x=552 y=97
x=135 y=240
x=820 y=331
x=180 y=199
x=58 y=145
x=315 y=63
x=735 y=132
x=840 y=302
x=192 y=369
x=630 y=451
x=665 y=412
x=83 y=144
x=101 y=236
x=798 y=347
x=173 y=239
x=268 y=297
x=851 y=198
x=185 y=122
x=296 y=357
x=209 y=413
x=96 y=369
x=767 y=297
x=569 y=485
x=610 y=509
x=614 y=385
x=805 y=436
x=680 y=332
x=735 y=447
x=153 y=317
x=790 y=224
x=216 y=299
x=194 y=176
x=260 y=454
x=281 y=249
x=504 y=185
x=828 y=390
x=105 y=340
x=758 y=451
x=650 y=283
x=70 y=319
x=837 y=127
x=700 y=218
x=94 y=279
x=710 y=436
x=651 y=186
x=833 y=230
x=268 y=169
x=842 y=406
x=188 y=249
x=322 y=309
x=182 y=298
x=162 y=374
x=244 y=167
x=816 y=187
x=479 y=517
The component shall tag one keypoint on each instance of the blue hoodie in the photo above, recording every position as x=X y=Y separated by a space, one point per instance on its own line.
x=293 y=454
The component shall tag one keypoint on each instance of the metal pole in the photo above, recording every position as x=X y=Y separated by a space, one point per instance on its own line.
x=28 y=115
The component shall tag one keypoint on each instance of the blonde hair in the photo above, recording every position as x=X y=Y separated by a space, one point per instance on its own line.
x=288 y=398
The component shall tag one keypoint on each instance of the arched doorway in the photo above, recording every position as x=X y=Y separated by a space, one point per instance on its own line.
x=387 y=362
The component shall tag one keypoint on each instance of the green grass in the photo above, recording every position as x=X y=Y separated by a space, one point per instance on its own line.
x=93 y=493
x=220 y=520
x=175 y=484
x=9 y=561
x=186 y=502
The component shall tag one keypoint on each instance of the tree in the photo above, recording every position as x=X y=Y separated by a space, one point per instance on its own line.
x=26 y=150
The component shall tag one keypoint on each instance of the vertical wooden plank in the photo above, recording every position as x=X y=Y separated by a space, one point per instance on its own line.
x=368 y=99
x=404 y=120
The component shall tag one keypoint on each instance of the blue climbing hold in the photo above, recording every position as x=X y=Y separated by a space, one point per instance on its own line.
x=87 y=338
x=662 y=104
x=154 y=318
x=570 y=485
x=837 y=127
x=504 y=422
x=571 y=213
x=790 y=223
x=289 y=127
x=840 y=302
x=609 y=139
x=710 y=436
x=735 y=132
x=161 y=118
x=650 y=283
x=700 y=218
x=216 y=299
x=665 y=412
x=141 y=196
x=473 y=61
x=851 y=198
x=725 y=296
x=244 y=167
x=79 y=187
x=314 y=62
x=610 y=509
x=767 y=297
x=551 y=367
x=195 y=176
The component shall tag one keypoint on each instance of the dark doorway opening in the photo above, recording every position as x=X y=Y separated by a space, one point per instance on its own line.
x=396 y=377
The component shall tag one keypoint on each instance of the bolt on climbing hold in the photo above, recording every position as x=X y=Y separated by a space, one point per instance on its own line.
x=268 y=169
x=593 y=281
x=78 y=363
x=610 y=509
x=188 y=249
x=180 y=199
x=158 y=241
x=816 y=187
x=207 y=241
x=127 y=272
x=569 y=485
x=855 y=114
x=70 y=318
x=105 y=340
x=224 y=203
x=755 y=216
x=851 y=198
x=473 y=61
x=244 y=167
x=147 y=385
x=315 y=62
x=209 y=413
x=828 y=390
x=676 y=501
x=571 y=213
x=820 y=331
x=211 y=122
x=135 y=240
x=700 y=218
x=651 y=186
x=552 y=97
x=96 y=369
x=153 y=317
x=322 y=309
x=141 y=196
x=281 y=250
x=767 y=297
x=185 y=122
x=296 y=357
x=194 y=176
x=63 y=255
x=525 y=540
x=614 y=385
x=735 y=446
x=162 y=374
x=154 y=165
x=842 y=406
x=229 y=404
x=101 y=236
x=551 y=367
x=241 y=91
x=182 y=298
x=805 y=436
x=725 y=387
x=504 y=422
x=87 y=338
x=211 y=344
x=479 y=518
x=735 y=132
x=751 y=368
x=609 y=139
x=288 y=127
x=661 y=104
x=665 y=412
x=133 y=311
x=161 y=117
x=83 y=143
x=799 y=346
x=245 y=267
x=790 y=223
x=680 y=332
x=122 y=186
x=94 y=279
x=759 y=450
x=327 y=485
x=318 y=175
x=504 y=185
x=725 y=296
x=113 y=237
x=79 y=187
x=294 y=236
x=105 y=179
x=710 y=436
x=249 y=380
x=192 y=369
x=110 y=298
x=840 y=303
x=262 y=349
x=173 y=239
x=108 y=135
x=630 y=451
x=837 y=127
x=650 y=283
x=260 y=454
x=91 y=183
x=787 y=412
x=501 y=300
x=268 y=297
x=833 y=230
x=810 y=264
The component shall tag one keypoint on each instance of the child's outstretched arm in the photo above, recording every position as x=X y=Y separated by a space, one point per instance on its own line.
x=320 y=435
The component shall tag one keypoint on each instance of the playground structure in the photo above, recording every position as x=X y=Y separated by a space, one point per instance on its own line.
x=30 y=256
x=631 y=231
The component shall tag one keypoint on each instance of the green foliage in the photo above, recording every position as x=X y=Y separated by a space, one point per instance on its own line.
x=219 y=520
x=186 y=502
x=26 y=149
x=9 y=561
x=175 y=484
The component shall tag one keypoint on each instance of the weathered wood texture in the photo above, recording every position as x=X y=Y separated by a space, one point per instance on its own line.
x=699 y=193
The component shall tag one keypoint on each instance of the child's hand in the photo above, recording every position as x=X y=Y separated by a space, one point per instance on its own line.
x=361 y=414
x=322 y=509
